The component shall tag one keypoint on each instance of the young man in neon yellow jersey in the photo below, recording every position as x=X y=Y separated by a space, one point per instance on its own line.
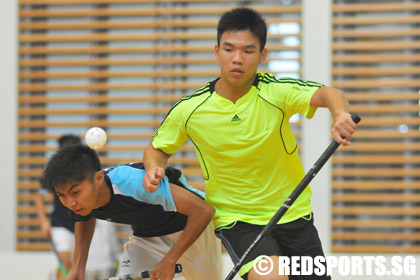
x=247 y=151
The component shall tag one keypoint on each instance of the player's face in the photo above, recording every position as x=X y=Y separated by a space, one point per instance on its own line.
x=239 y=56
x=80 y=197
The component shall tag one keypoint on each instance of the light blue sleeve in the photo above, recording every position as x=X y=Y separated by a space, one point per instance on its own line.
x=128 y=181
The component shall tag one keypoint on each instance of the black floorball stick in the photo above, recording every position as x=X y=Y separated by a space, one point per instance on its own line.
x=142 y=275
x=289 y=201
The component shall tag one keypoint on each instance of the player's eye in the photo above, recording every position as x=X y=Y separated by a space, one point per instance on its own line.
x=249 y=52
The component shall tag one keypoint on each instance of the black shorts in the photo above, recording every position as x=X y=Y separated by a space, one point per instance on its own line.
x=297 y=238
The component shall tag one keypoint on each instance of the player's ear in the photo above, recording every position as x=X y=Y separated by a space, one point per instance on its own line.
x=99 y=177
x=216 y=51
x=263 y=55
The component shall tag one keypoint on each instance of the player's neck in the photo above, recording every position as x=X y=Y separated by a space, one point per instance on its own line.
x=104 y=194
x=231 y=92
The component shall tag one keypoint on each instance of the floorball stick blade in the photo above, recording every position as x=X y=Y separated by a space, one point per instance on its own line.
x=141 y=275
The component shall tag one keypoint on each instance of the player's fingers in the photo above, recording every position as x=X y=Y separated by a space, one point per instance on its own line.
x=151 y=188
x=350 y=127
x=339 y=138
x=345 y=132
x=161 y=277
x=151 y=177
x=154 y=276
x=159 y=173
x=344 y=129
x=148 y=186
x=345 y=125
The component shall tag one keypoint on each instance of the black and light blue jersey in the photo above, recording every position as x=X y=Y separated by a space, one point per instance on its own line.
x=149 y=214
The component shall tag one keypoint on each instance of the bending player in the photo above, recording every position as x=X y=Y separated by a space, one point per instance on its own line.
x=170 y=226
x=239 y=124
x=61 y=231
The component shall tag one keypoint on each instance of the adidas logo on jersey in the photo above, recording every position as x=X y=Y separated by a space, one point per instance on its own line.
x=236 y=118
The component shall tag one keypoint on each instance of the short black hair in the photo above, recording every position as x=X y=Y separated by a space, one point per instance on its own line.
x=67 y=140
x=243 y=18
x=70 y=164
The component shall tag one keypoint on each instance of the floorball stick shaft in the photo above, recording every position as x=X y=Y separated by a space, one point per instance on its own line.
x=289 y=201
x=60 y=261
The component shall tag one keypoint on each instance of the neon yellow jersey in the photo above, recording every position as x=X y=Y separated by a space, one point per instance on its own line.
x=246 y=150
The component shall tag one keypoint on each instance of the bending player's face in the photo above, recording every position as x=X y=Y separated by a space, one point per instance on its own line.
x=80 y=197
x=239 y=56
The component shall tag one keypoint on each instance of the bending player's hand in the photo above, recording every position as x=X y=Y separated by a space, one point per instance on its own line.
x=152 y=178
x=343 y=127
x=76 y=275
x=163 y=271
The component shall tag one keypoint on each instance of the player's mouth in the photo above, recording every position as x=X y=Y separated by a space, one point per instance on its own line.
x=78 y=211
x=237 y=72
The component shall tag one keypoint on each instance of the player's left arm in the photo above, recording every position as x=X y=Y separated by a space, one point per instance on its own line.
x=199 y=213
x=335 y=100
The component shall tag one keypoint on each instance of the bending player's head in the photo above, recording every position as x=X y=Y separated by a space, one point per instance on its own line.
x=70 y=165
x=68 y=140
x=243 y=18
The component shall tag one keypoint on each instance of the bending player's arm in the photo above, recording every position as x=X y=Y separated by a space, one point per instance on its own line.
x=199 y=213
x=338 y=105
x=83 y=233
x=155 y=162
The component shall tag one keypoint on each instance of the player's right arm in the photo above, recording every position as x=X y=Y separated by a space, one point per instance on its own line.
x=199 y=213
x=155 y=162
x=83 y=233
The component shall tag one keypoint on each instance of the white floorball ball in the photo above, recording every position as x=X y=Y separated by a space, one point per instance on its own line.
x=95 y=138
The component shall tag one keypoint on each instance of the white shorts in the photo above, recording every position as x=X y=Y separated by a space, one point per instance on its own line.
x=99 y=274
x=201 y=261
x=63 y=239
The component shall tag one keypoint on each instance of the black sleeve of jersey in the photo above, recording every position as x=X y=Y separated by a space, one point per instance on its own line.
x=174 y=175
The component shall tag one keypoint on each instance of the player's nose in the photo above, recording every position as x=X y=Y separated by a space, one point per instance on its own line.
x=70 y=202
x=237 y=57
